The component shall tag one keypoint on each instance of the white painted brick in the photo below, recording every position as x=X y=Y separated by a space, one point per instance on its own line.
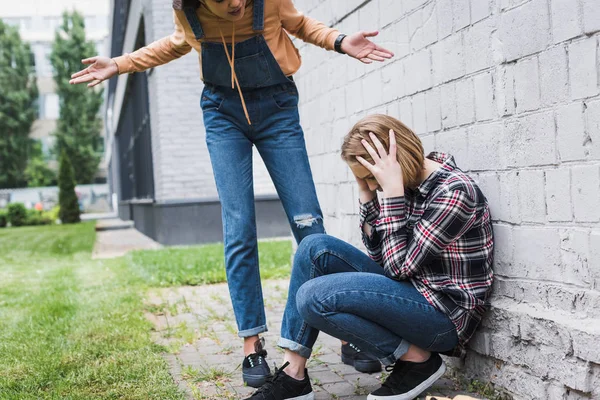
x=434 y=112
x=372 y=88
x=368 y=16
x=575 y=255
x=525 y=30
x=354 y=97
x=480 y=9
x=462 y=13
x=505 y=90
x=558 y=195
x=420 y=66
x=465 y=104
x=448 y=59
x=595 y=255
x=532 y=199
x=537 y=253
x=484 y=97
x=490 y=186
x=582 y=68
x=444 y=18
x=478 y=46
x=410 y=5
x=503 y=246
x=389 y=10
x=454 y=142
x=392 y=86
x=565 y=20
x=527 y=85
x=570 y=137
x=586 y=193
x=591 y=15
x=426 y=30
x=592 y=128
x=554 y=76
x=395 y=38
x=405 y=112
x=448 y=101
x=419 y=114
x=531 y=140
x=428 y=143
x=486 y=147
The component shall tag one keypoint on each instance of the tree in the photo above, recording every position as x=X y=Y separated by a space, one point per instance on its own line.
x=18 y=110
x=79 y=125
x=67 y=198
x=37 y=172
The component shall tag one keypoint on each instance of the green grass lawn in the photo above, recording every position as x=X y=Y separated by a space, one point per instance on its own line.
x=73 y=328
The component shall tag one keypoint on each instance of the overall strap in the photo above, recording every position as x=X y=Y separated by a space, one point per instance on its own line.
x=189 y=8
x=258 y=21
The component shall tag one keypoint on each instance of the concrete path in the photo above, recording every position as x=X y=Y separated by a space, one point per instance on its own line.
x=196 y=325
x=115 y=238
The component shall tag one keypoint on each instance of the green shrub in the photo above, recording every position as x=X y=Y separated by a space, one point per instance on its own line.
x=17 y=214
x=52 y=215
x=67 y=198
x=3 y=218
x=35 y=217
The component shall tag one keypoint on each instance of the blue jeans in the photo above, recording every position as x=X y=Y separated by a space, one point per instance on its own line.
x=337 y=289
x=276 y=133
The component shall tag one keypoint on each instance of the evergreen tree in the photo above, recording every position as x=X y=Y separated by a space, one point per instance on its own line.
x=67 y=198
x=79 y=125
x=18 y=108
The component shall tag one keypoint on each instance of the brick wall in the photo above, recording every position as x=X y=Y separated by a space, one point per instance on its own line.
x=510 y=88
x=182 y=168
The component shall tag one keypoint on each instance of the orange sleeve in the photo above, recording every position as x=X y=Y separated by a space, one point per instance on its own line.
x=306 y=28
x=157 y=53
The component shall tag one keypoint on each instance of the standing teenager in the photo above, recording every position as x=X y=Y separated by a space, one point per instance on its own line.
x=249 y=99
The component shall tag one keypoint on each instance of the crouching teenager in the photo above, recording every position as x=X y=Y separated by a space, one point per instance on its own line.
x=423 y=287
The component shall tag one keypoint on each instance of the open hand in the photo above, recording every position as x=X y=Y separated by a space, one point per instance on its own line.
x=100 y=69
x=361 y=48
x=386 y=168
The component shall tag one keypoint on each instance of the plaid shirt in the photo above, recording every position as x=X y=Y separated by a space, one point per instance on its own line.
x=438 y=236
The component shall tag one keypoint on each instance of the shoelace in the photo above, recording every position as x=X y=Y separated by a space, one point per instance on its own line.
x=395 y=373
x=270 y=381
x=354 y=347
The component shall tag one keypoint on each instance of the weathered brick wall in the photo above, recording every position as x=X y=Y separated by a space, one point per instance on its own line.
x=182 y=168
x=510 y=87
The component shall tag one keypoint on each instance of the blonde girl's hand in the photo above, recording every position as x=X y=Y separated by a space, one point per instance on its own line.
x=360 y=47
x=100 y=69
x=385 y=168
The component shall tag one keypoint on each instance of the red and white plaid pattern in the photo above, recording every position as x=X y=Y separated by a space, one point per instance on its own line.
x=438 y=236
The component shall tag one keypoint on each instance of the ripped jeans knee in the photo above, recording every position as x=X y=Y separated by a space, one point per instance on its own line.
x=307 y=224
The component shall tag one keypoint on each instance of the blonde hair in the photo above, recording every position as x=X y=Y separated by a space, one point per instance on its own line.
x=409 y=147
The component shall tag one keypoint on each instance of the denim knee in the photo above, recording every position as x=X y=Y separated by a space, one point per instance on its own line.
x=308 y=301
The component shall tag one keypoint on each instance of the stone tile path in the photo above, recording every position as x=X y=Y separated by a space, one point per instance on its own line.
x=115 y=238
x=196 y=324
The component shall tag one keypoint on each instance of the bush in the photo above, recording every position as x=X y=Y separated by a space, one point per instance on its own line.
x=3 y=218
x=35 y=217
x=67 y=198
x=17 y=214
x=52 y=215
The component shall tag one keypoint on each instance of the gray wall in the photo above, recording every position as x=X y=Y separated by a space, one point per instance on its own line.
x=510 y=88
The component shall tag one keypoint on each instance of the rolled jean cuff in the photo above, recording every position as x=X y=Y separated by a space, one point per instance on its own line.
x=297 y=348
x=253 y=331
x=401 y=350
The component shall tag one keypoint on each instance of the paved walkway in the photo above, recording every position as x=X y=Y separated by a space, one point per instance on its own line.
x=196 y=323
x=115 y=238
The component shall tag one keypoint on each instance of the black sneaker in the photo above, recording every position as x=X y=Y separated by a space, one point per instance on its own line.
x=255 y=369
x=361 y=361
x=409 y=379
x=281 y=387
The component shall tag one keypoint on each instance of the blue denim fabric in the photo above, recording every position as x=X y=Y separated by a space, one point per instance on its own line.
x=337 y=289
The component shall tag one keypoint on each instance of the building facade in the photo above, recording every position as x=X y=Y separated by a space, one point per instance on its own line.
x=160 y=172
x=38 y=21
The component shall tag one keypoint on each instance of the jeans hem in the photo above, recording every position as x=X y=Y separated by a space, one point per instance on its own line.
x=252 y=332
x=297 y=348
x=401 y=350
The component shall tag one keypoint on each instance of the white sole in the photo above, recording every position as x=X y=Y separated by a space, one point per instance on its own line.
x=310 y=396
x=417 y=390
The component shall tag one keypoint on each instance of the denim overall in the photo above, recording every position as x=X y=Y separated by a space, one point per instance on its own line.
x=272 y=104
